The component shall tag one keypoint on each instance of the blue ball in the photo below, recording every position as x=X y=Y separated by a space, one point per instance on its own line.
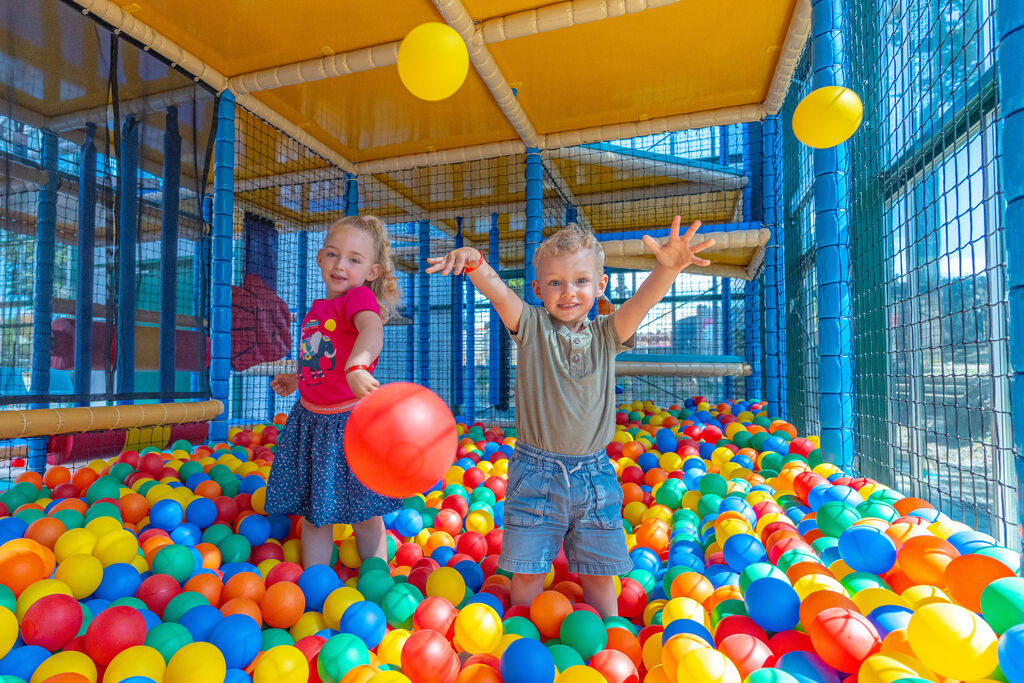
x=12 y=528
x=970 y=541
x=775 y=444
x=187 y=534
x=251 y=484
x=527 y=661
x=741 y=550
x=200 y=621
x=1011 y=653
x=120 y=580
x=721 y=575
x=166 y=514
x=238 y=638
x=867 y=549
x=317 y=582
x=23 y=661
x=665 y=440
x=234 y=676
x=442 y=554
x=471 y=573
x=231 y=568
x=844 y=494
x=490 y=600
x=646 y=559
x=739 y=505
x=687 y=626
x=889 y=618
x=772 y=603
x=255 y=528
x=201 y=512
x=807 y=667
x=280 y=527
x=365 y=620
x=408 y=523
x=647 y=461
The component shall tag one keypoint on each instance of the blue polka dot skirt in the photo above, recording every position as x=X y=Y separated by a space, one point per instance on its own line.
x=311 y=477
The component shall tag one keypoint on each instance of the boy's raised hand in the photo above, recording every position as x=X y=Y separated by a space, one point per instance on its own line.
x=678 y=253
x=454 y=262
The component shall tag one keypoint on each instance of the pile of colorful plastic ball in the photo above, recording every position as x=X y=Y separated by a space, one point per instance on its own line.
x=753 y=561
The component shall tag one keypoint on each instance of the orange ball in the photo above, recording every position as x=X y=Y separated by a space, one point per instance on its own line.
x=653 y=536
x=631 y=493
x=633 y=449
x=691 y=585
x=208 y=489
x=244 y=585
x=625 y=642
x=56 y=475
x=20 y=568
x=924 y=559
x=968 y=575
x=84 y=478
x=242 y=606
x=813 y=604
x=905 y=506
x=208 y=585
x=45 y=531
x=570 y=589
x=211 y=555
x=134 y=507
x=33 y=478
x=282 y=604
x=478 y=673
x=76 y=504
x=547 y=612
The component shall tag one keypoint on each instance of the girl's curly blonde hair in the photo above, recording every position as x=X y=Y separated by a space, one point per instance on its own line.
x=570 y=240
x=385 y=287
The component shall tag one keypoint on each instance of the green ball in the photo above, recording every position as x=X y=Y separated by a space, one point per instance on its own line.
x=644 y=578
x=769 y=676
x=455 y=490
x=757 y=440
x=7 y=598
x=120 y=471
x=29 y=515
x=145 y=486
x=759 y=570
x=584 y=632
x=635 y=416
x=795 y=556
x=215 y=533
x=375 y=585
x=728 y=608
x=176 y=561
x=218 y=472
x=563 y=655
x=182 y=445
x=339 y=655
x=685 y=516
x=399 y=604
x=415 y=503
x=234 y=548
x=819 y=544
x=1008 y=557
x=782 y=434
x=854 y=582
x=814 y=458
x=181 y=603
x=129 y=601
x=103 y=509
x=1002 y=603
x=482 y=494
x=72 y=519
x=714 y=484
x=835 y=517
x=708 y=504
x=168 y=637
x=374 y=564
x=670 y=575
x=86 y=619
x=885 y=495
x=669 y=496
x=878 y=509
x=229 y=487
x=189 y=468
x=272 y=637
x=104 y=487
x=521 y=626
x=763 y=421
x=620 y=622
x=429 y=515
x=742 y=438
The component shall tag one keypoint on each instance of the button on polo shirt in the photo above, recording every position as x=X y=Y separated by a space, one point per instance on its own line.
x=565 y=383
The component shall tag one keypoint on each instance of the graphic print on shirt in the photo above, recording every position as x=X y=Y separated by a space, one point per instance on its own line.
x=315 y=348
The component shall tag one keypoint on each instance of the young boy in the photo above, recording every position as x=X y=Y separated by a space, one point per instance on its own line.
x=561 y=485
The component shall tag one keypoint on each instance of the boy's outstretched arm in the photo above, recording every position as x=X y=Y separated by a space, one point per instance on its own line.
x=506 y=302
x=673 y=257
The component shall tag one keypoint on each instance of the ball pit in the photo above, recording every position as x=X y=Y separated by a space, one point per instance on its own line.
x=753 y=561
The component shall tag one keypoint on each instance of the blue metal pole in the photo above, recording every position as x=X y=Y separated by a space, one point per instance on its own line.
x=773 y=266
x=494 y=374
x=727 y=330
x=723 y=145
x=423 y=313
x=169 y=254
x=223 y=227
x=534 y=219
x=410 y=336
x=86 y=265
x=128 y=233
x=458 y=339
x=570 y=214
x=470 y=352
x=832 y=254
x=753 y=211
x=1010 y=54
x=351 y=195
x=46 y=246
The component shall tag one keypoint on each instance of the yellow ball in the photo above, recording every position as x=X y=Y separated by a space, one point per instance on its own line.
x=704 y=665
x=81 y=574
x=79 y=541
x=282 y=664
x=580 y=673
x=196 y=663
x=64 y=663
x=348 y=554
x=115 y=547
x=433 y=61
x=337 y=602
x=887 y=667
x=38 y=590
x=8 y=630
x=139 y=660
x=478 y=628
x=308 y=624
x=952 y=641
x=390 y=648
x=292 y=551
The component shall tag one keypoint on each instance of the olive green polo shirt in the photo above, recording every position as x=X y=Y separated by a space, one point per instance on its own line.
x=565 y=382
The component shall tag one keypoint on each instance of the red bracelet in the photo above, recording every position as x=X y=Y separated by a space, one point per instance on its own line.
x=479 y=262
x=358 y=367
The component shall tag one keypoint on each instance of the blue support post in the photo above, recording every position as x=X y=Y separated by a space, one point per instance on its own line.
x=169 y=253
x=723 y=145
x=534 y=219
x=84 y=292
x=773 y=265
x=1010 y=54
x=127 y=239
x=46 y=246
x=223 y=227
x=832 y=241
x=570 y=214
x=410 y=330
x=470 y=352
x=727 y=331
x=351 y=195
x=423 y=312
x=458 y=339
x=494 y=374
x=752 y=289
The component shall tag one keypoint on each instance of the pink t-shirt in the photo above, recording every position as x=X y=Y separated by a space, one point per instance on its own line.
x=328 y=335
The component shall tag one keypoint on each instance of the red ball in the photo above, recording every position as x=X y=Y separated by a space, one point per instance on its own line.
x=267 y=551
x=473 y=477
x=615 y=666
x=62 y=491
x=494 y=537
x=435 y=614
x=51 y=622
x=283 y=571
x=789 y=641
x=130 y=457
x=497 y=485
x=427 y=656
x=632 y=599
x=843 y=638
x=489 y=564
x=472 y=543
x=456 y=503
x=156 y=591
x=418 y=578
x=448 y=521
x=151 y=463
x=400 y=440
x=227 y=509
x=746 y=652
x=739 y=624
x=407 y=554
x=112 y=631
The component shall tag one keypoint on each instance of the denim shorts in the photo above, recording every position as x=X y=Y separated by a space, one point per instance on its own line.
x=555 y=498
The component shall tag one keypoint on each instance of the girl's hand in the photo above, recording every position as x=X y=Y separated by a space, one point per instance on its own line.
x=455 y=261
x=361 y=382
x=678 y=253
x=284 y=385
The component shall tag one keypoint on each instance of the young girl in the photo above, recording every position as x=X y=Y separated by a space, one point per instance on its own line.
x=341 y=339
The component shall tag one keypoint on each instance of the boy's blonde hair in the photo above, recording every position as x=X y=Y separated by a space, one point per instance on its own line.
x=570 y=240
x=385 y=287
